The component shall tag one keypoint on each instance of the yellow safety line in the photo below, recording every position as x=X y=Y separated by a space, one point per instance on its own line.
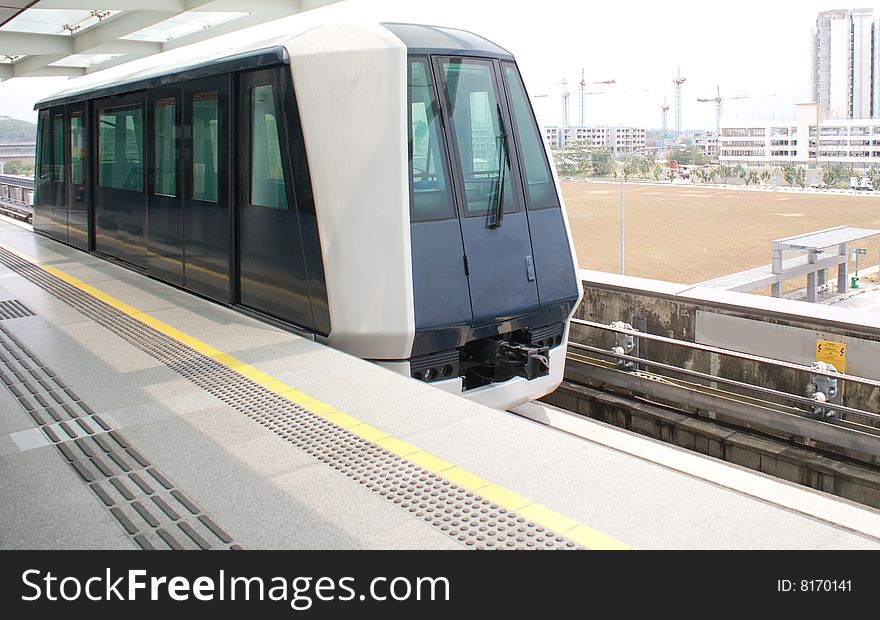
x=538 y=513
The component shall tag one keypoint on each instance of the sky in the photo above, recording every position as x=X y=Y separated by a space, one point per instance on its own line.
x=747 y=47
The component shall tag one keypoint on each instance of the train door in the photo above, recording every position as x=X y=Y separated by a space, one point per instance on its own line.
x=164 y=210
x=77 y=224
x=119 y=190
x=43 y=174
x=494 y=225
x=58 y=191
x=205 y=162
x=272 y=273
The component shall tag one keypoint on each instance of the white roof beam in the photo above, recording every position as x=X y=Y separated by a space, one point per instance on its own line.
x=308 y=5
x=114 y=61
x=114 y=5
x=116 y=27
x=125 y=46
x=267 y=11
x=29 y=44
x=236 y=6
x=70 y=72
x=24 y=67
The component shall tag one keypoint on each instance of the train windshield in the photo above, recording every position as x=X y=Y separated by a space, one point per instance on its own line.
x=471 y=91
x=431 y=194
x=540 y=187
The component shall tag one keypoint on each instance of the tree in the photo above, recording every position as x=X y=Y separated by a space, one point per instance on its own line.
x=753 y=177
x=765 y=175
x=789 y=173
x=602 y=162
x=23 y=167
x=690 y=156
x=14 y=131
x=638 y=165
x=572 y=159
x=836 y=174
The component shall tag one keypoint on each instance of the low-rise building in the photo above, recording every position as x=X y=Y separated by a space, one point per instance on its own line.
x=620 y=141
x=707 y=142
x=810 y=139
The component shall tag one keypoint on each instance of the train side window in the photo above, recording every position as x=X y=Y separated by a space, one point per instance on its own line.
x=266 y=171
x=165 y=111
x=431 y=197
x=541 y=189
x=58 y=148
x=121 y=148
x=45 y=149
x=76 y=148
x=206 y=142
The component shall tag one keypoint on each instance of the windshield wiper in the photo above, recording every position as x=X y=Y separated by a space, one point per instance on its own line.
x=498 y=214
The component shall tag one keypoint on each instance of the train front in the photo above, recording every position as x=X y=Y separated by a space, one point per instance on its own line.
x=493 y=266
x=445 y=246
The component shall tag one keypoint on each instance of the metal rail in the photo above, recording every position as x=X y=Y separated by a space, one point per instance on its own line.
x=15 y=211
x=749 y=404
x=16 y=181
x=717 y=350
x=734 y=383
x=776 y=419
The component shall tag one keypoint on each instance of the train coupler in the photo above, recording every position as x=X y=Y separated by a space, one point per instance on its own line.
x=523 y=360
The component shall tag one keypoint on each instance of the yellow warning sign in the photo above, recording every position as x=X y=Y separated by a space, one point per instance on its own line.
x=832 y=353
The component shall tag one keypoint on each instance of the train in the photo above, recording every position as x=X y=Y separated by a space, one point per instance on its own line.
x=383 y=188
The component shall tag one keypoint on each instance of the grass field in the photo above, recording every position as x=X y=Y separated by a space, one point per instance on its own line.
x=684 y=233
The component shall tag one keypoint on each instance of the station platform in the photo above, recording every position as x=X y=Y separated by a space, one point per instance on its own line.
x=136 y=415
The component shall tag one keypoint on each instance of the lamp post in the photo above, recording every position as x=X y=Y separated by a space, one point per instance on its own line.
x=674 y=147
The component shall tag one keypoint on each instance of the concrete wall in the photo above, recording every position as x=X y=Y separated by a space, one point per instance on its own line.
x=776 y=328
x=801 y=465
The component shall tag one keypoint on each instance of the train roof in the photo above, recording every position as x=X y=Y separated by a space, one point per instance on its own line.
x=439 y=39
x=262 y=45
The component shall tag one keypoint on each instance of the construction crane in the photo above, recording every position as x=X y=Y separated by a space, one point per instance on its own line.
x=565 y=95
x=678 y=81
x=583 y=93
x=581 y=102
x=665 y=110
x=718 y=103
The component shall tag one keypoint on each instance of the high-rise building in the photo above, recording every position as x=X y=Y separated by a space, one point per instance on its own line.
x=845 y=68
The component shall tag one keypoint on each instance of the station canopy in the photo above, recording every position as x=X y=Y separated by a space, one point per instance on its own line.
x=825 y=238
x=71 y=38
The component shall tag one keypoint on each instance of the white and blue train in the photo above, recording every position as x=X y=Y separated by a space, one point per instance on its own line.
x=383 y=188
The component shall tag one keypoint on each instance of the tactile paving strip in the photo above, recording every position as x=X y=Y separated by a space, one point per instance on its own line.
x=465 y=516
x=14 y=309
x=150 y=508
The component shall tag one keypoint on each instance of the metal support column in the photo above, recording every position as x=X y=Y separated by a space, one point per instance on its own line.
x=776 y=267
x=843 y=270
x=812 y=288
